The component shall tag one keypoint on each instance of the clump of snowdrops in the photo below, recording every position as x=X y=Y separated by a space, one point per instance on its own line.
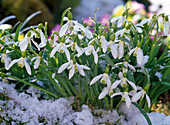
x=115 y=64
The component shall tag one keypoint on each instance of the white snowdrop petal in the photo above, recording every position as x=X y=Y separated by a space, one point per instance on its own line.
x=37 y=46
x=71 y=73
x=128 y=101
x=23 y=44
x=95 y=56
x=67 y=54
x=132 y=84
x=13 y=62
x=85 y=67
x=115 y=84
x=103 y=93
x=120 y=21
x=139 y=56
x=131 y=51
x=63 y=29
x=80 y=69
x=121 y=49
x=53 y=51
x=43 y=39
x=27 y=66
x=63 y=67
x=37 y=63
x=148 y=100
x=136 y=96
x=115 y=18
x=131 y=67
x=114 y=51
x=95 y=79
x=115 y=94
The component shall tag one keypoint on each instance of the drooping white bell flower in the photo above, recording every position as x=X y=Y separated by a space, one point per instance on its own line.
x=73 y=68
x=5 y=26
x=90 y=50
x=166 y=25
x=113 y=49
x=123 y=81
x=43 y=40
x=61 y=48
x=27 y=41
x=119 y=19
x=127 y=65
x=139 y=95
x=104 y=43
x=74 y=47
x=106 y=90
x=37 y=62
x=137 y=51
x=21 y=63
x=6 y=60
x=120 y=49
x=125 y=97
x=104 y=79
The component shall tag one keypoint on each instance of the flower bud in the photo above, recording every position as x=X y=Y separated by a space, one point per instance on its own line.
x=166 y=18
x=146 y=87
x=127 y=58
x=128 y=26
x=70 y=16
x=138 y=45
x=107 y=69
x=124 y=75
x=29 y=34
x=52 y=37
x=40 y=26
x=62 y=39
x=112 y=37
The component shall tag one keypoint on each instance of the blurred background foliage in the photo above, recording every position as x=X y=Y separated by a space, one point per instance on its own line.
x=51 y=10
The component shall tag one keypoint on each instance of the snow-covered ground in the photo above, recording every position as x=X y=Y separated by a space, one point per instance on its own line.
x=27 y=108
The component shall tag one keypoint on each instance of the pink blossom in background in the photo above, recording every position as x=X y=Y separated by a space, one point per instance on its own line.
x=136 y=7
x=55 y=29
x=105 y=20
x=88 y=21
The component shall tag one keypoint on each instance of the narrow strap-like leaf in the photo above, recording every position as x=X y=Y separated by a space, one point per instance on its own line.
x=6 y=19
x=143 y=112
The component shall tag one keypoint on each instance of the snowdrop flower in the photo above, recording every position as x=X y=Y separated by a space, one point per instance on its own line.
x=21 y=63
x=113 y=49
x=104 y=43
x=137 y=52
x=5 y=59
x=26 y=42
x=104 y=79
x=106 y=90
x=5 y=26
x=73 y=67
x=120 y=21
x=125 y=97
x=166 y=25
x=159 y=75
x=90 y=50
x=61 y=48
x=120 y=49
x=123 y=81
x=139 y=95
x=37 y=62
x=74 y=47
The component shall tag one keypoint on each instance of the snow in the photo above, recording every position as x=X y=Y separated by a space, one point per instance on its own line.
x=27 y=108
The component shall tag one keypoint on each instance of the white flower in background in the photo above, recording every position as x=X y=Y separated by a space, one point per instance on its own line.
x=125 y=97
x=120 y=49
x=139 y=95
x=159 y=75
x=21 y=63
x=5 y=59
x=61 y=48
x=166 y=25
x=73 y=68
x=119 y=19
x=104 y=43
x=137 y=51
x=5 y=26
x=104 y=79
x=90 y=50
x=26 y=42
x=37 y=62
x=123 y=81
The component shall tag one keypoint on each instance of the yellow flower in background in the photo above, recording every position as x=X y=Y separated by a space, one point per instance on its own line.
x=118 y=11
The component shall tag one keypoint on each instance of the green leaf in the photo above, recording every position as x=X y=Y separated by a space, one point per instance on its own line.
x=108 y=59
x=163 y=83
x=143 y=112
x=6 y=19
x=29 y=18
x=17 y=32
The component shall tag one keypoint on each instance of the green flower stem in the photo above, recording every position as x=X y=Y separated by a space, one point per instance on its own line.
x=120 y=102
x=29 y=84
x=143 y=112
x=107 y=102
x=64 y=13
x=111 y=103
